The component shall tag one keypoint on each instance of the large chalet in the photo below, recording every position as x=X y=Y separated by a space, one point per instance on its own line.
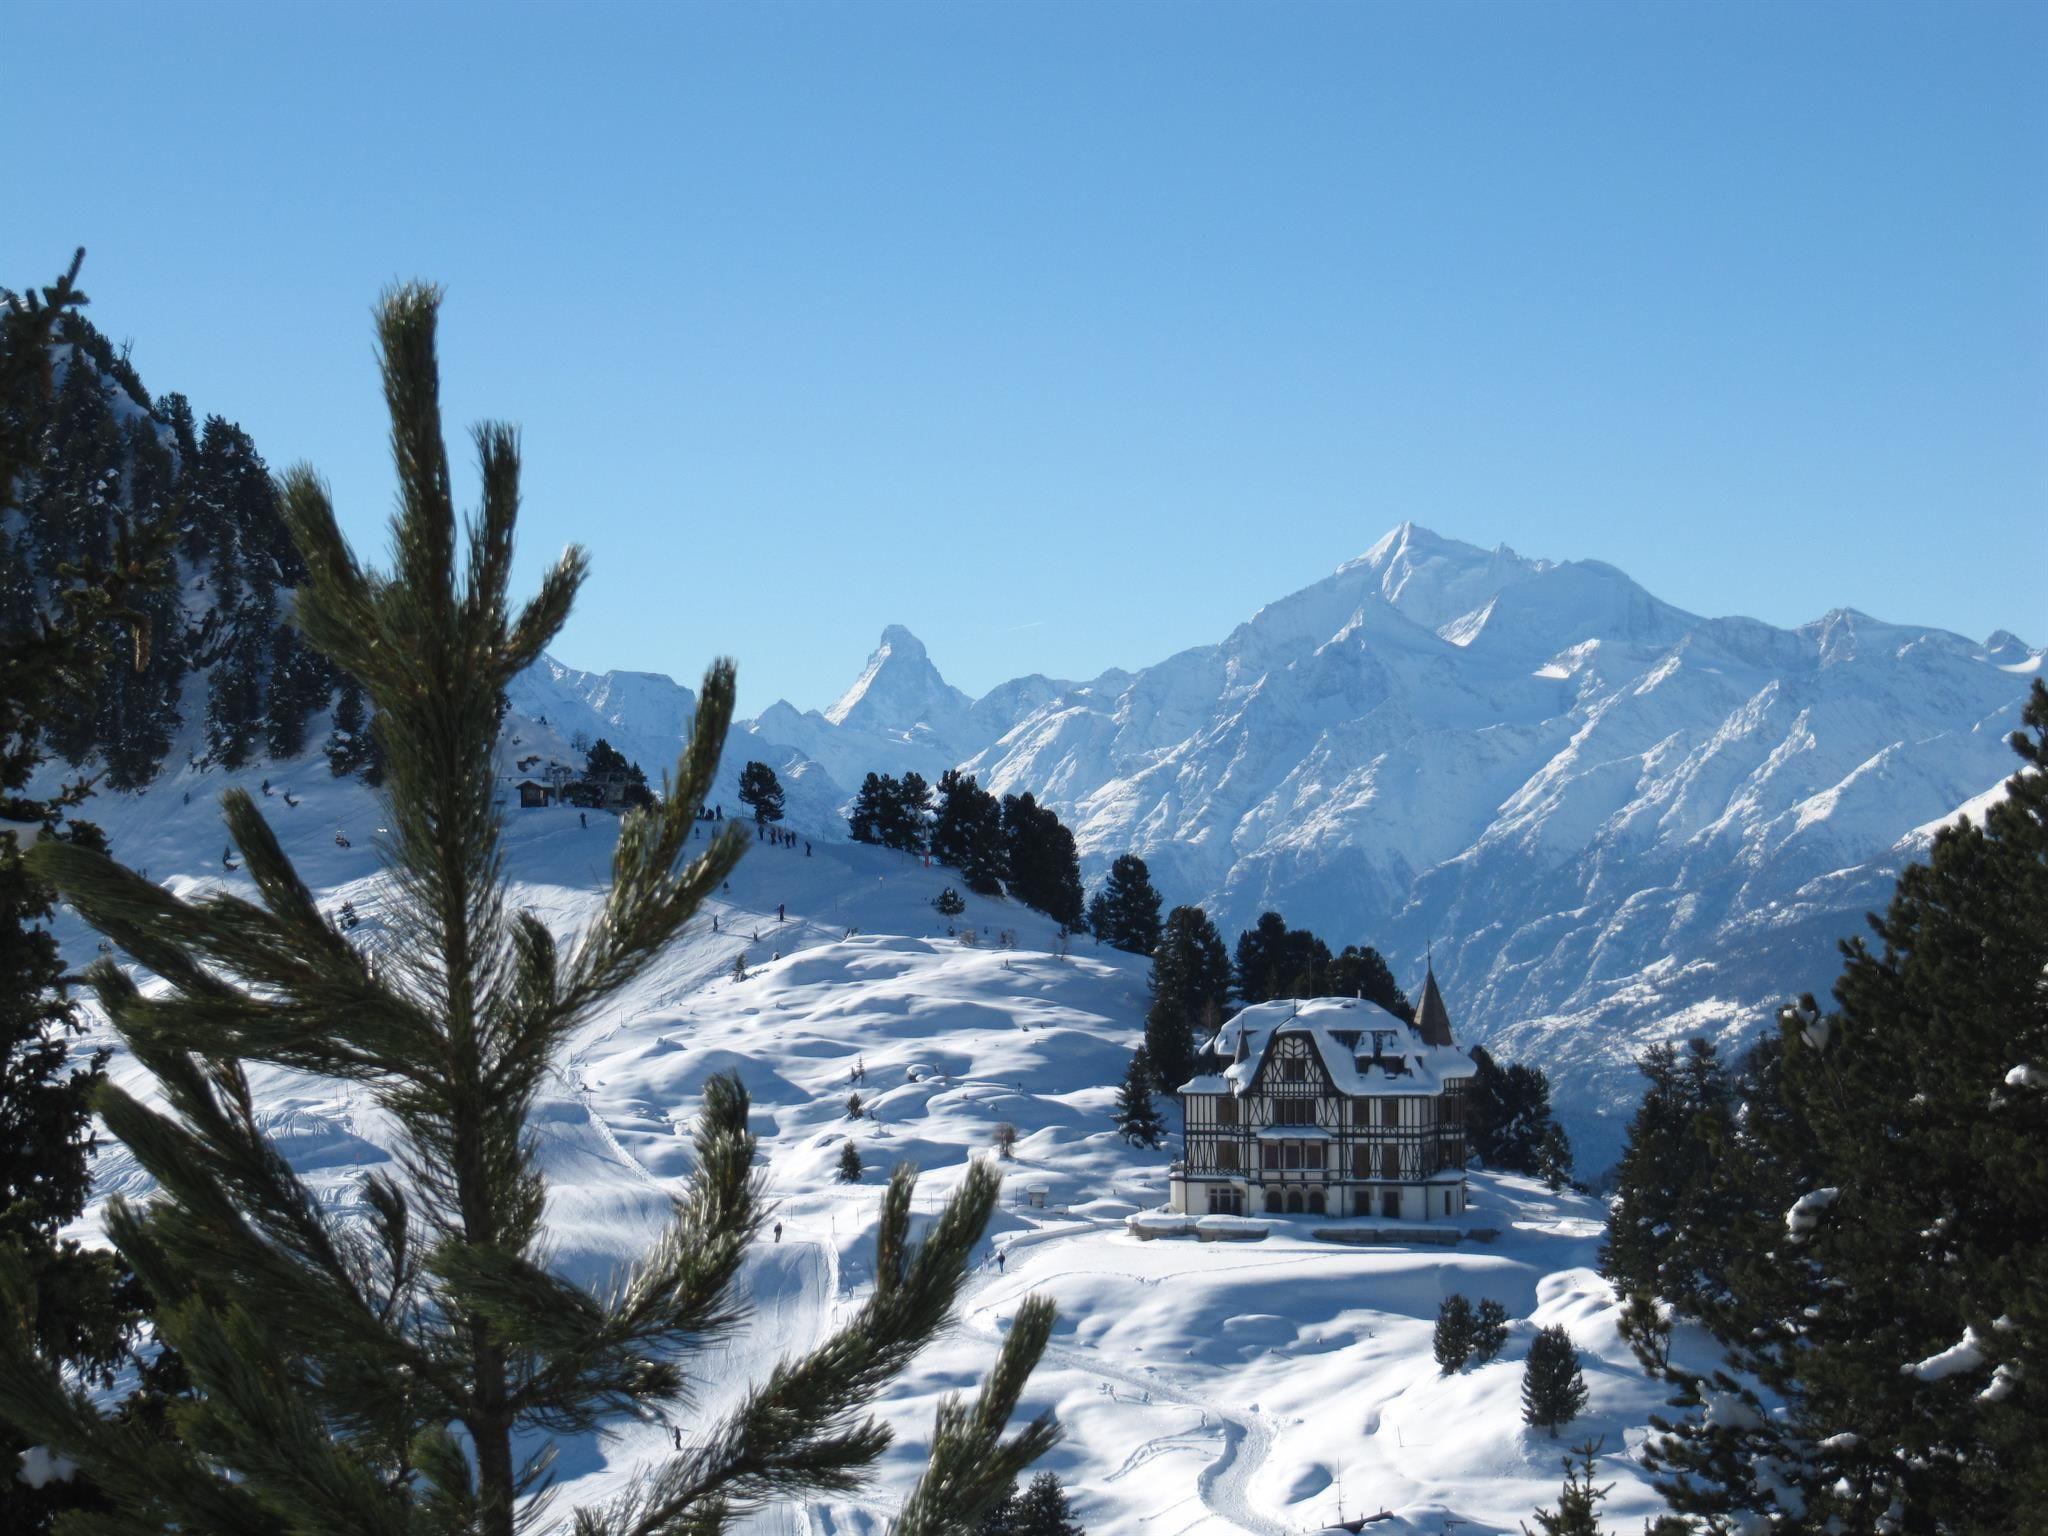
x=1328 y=1106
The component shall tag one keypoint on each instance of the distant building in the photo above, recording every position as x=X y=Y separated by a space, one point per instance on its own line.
x=533 y=794
x=1328 y=1106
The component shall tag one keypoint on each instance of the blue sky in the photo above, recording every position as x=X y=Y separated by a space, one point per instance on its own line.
x=1067 y=335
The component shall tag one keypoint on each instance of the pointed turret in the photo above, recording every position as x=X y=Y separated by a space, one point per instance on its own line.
x=1432 y=1019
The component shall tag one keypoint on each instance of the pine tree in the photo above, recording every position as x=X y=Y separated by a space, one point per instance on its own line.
x=381 y=1376
x=78 y=1305
x=1190 y=989
x=1363 y=972
x=1044 y=865
x=351 y=745
x=1578 y=1503
x=1125 y=912
x=1137 y=1117
x=1509 y=1121
x=1043 y=1510
x=950 y=903
x=911 y=825
x=761 y=792
x=1894 y=1229
x=1489 y=1330
x=968 y=835
x=873 y=808
x=849 y=1162
x=1452 y=1340
x=1672 y=1201
x=1553 y=1387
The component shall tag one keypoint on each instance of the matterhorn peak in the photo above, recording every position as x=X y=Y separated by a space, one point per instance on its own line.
x=899 y=689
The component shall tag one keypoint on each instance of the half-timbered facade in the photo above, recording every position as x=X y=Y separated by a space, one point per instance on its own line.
x=1329 y=1106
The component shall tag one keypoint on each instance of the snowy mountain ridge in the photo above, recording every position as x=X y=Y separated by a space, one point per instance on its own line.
x=1614 y=819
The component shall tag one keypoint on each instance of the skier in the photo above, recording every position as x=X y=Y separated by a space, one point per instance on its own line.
x=778 y=1231
x=1002 y=1261
x=778 y=911
x=582 y=818
x=714 y=922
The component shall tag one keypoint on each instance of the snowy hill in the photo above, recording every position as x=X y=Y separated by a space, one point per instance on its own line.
x=1615 y=820
x=1207 y=1387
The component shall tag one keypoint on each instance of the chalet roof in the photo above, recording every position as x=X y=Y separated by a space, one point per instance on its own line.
x=1432 y=1019
x=1342 y=1029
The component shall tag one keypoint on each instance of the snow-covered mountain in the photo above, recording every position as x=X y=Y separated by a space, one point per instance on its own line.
x=1614 y=820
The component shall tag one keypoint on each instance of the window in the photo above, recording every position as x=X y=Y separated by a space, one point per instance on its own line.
x=1390 y=1205
x=1390 y=1161
x=1226 y=1154
x=1269 y=1154
x=1291 y=1151
x=1315 y=1154
x=1226 y=1110
x=1294 y=1111
x=1361 y=1162
x=1293 y=1070
x=1226 y=1202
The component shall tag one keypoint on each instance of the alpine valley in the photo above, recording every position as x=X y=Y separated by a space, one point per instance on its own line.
x=1613 y=822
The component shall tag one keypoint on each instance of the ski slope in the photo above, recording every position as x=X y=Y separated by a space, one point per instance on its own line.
x=1265 y=1387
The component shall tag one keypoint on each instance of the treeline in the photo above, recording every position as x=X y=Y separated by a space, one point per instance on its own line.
x=1857 y=1213
x=102 y=456
x=1015 y=847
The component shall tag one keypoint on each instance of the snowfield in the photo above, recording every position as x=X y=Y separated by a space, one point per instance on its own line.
x=1206 y=1387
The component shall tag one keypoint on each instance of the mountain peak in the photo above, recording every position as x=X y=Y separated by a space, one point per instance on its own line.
x=899 y=689
x=898 y=641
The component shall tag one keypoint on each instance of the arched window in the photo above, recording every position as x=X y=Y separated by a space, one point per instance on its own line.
x=1294 y=1202
x=1273 y=1202
x=1315 y=1202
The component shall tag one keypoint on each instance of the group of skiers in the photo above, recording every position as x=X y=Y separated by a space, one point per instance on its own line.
x=781 y=837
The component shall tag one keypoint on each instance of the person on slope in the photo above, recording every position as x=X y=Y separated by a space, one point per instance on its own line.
x=778 y=1231
x=779 y=908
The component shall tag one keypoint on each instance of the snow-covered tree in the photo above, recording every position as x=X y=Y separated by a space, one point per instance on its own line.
x=1190 y=989
x=1553 y=1387
x=1451 y=1340
x=1137 y=1116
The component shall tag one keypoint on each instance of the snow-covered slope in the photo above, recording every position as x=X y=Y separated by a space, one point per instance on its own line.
x=1615 y=820
x=1207 y=1388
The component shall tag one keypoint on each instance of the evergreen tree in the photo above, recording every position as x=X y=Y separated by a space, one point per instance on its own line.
x=1273 y=960
x=1553 y=1387
x=968 y=835
x=1894 y=1229
x=1489 y=1330
x=1044 y=865
x=874 y=808
x=1578 y=1503
x=1362 y=972
x=1001 y=1520
x=1125 y=912
x=1508 y=1118
x=950 y=903
x=761 y=792
x=849 y=1162
x=910 y=826
x=1554 y=1157
x=383 y=1375
x=77 y=1304
x=1673 y=1199
x=1452 y=1340
x=351 y=745
x=1190 y=989
x=299 y=684
x=1137 y=1117
x=1043 y=1510
x=605 y=764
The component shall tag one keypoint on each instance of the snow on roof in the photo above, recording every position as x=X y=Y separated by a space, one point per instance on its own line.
x=1343 y=1031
